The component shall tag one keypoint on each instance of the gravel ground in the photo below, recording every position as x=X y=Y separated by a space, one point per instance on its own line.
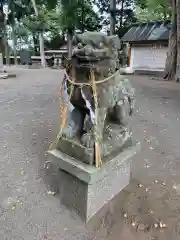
x=29 y=113
x=153 y=197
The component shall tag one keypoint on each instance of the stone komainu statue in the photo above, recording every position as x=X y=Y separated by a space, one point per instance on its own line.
x=100 y=111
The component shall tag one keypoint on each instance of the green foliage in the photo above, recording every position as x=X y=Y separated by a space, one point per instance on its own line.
x=134 y=11
x=153 y=10
x=49 y=4
x=79 y=14
x=69 y=15
x=37 y=23
x=47 y=19
x=55 y=42
x=141 y=3
x=22 y=33
x=125 y=15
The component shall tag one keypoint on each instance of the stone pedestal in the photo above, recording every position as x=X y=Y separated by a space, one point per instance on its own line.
x=86 y=189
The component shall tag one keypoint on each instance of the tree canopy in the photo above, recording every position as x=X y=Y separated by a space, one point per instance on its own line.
x=79 y=15
x=125 y=14
x=57 y=18
x=148 y=10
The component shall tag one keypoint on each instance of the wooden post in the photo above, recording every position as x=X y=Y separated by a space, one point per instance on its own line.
x=98 y=160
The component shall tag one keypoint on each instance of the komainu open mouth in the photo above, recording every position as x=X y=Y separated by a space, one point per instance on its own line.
x=87 y=58
x=90 y=54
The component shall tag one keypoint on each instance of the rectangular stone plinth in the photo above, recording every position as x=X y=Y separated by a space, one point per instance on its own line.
x=86 y=189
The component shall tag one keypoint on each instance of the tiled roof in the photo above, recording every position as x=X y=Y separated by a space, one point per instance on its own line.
x=148 y=31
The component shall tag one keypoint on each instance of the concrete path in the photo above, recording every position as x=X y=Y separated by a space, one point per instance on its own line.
x=29 y=115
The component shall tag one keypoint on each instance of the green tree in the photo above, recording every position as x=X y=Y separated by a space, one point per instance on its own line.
x=58 y=19
x=55 y=42
x=34 y=15
x=12 y=23
x=147 y=10
x=45 y=16
x=125 y=15
x=169 y=9
x=173 y=54
x=4 y=48
x=78 y=15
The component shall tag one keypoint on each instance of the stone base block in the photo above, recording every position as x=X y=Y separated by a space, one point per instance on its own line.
x=86 y=189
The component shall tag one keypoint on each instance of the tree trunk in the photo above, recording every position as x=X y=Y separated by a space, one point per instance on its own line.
x=1 y=29
x=122 y=12
x=82 y=16
x=171 y=60
x=112 y=17
x=177 y=78
x=6 y=45
x=41 y=39
x=36 y=43
x=41 y=45
x=14 y=44
x=13 y=22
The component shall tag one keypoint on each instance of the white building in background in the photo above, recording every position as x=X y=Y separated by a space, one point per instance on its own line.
x=148 y=46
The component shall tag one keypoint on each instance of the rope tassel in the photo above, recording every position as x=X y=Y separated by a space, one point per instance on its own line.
x=63 y=110
x=98 y=160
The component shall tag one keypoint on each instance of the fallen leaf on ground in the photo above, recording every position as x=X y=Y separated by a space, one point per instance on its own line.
x=164 y=225
x=21 y=171
x=141 y=227
x=133 y=224
x=51 y=193
x=125 y=215
x=147 y=140
x=13 y=207
x=151 y=211
x=156 y=225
